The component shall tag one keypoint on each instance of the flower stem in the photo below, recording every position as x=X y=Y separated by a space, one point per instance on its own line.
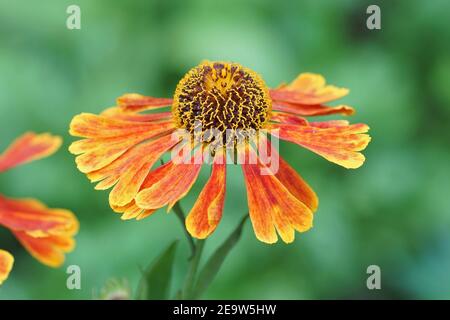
x=180 y=214
x=191 y=276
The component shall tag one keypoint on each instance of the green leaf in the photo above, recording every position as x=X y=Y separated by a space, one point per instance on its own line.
x=156 y=279
x=214 y=263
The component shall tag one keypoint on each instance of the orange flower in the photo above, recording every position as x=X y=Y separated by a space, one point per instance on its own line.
x=122 y=145
x=45 y=233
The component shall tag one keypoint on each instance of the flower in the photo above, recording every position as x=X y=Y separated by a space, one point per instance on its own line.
x=122 y=145
x=115 y=289
x=46 y=233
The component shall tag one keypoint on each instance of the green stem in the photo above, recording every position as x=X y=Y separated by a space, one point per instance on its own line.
x=190 y=278
x=180 y=214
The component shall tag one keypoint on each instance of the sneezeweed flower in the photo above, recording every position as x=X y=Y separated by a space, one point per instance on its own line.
x=46 y=233
x=122 y=145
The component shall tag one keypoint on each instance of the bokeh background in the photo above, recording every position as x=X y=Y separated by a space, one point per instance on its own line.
x=393 y=212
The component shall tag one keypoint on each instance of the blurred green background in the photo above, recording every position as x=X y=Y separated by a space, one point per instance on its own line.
x=393 y=212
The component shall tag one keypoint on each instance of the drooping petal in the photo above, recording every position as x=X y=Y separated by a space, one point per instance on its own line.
x=330 y=124
x=296 y=185
x=336 y=143
x=272 y=207
x=133 y=176
x=119 y=151
x=290 y=179
x=36 y=219
x=28 y=147
x=138 y=102
x=206 y=213
x=288 y=118
x=89 y=125
x=48 y=250
x=6 y=264
x=120 y=113
x=132 y=211
x=312 y=110
x=98 y=153
x=128 y=171
x=309 y=89
x=169 y=183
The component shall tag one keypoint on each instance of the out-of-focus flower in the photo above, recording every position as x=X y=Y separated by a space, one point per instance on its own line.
x=123 y=144
x=46 y=233
x=115 y=289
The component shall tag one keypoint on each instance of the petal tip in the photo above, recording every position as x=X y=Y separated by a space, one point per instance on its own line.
x=6 y=264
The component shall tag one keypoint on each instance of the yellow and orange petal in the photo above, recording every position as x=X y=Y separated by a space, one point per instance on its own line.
x=287 y=175
x=206 y=213
x=6 y=264
x=306 y=95
x=46 y=233
x=135 y=174
x=89 y=125
x=136 y=102
x=309 y=89
x=36 y=219
x=272 y=207
x=120 y=148
x=283 y=117
x=132 y=211
x=169 y=183
x=48 y=250
x=129 y=171
x=337 y=142
x=28 y=147
x=312 y=110
x=124 y=114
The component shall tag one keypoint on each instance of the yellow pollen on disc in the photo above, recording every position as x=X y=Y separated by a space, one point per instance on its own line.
x=215 y=97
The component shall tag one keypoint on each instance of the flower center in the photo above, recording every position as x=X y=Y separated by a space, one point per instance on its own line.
x=219 y=98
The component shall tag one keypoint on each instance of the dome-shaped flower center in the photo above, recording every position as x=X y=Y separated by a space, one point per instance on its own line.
x=218 y=97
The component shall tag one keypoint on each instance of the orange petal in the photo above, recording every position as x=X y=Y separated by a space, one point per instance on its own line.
x=120 y=113
x=312 y=110
x=89 y=125
x=48 y=250
x=335 y=142
x=168 y=184
x=138 y=102
x=288 y=118
x=6 y=263
x=34 y=218
x=329 y=124
x=145 y=152
x=296 y=185
x=132 y=169
x=290 y=179
x=272 y=207
x=207 y=211
x=132 y=211
x=99 y=152
x=308 y=88
x=28 y=147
